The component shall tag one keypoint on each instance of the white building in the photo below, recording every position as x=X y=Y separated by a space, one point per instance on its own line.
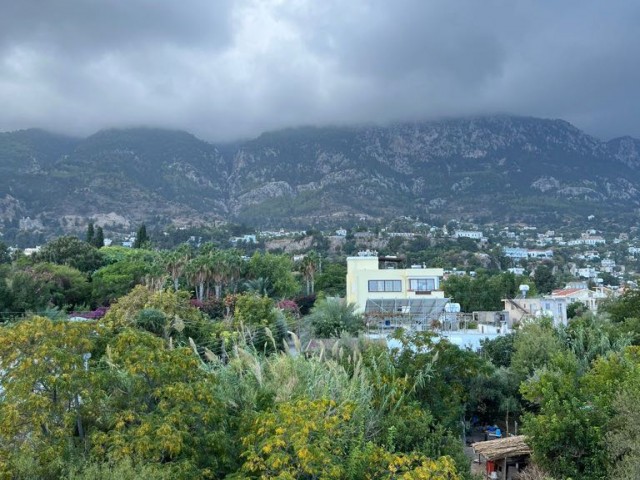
x=590 y=298
x=473 y=234
x=515 y=252
x=525 y=309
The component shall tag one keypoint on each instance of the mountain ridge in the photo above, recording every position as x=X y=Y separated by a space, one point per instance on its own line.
x=501 y=167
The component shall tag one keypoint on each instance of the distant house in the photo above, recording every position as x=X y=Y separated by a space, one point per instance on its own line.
x=523 y=309
x=590 y=298
x=341 y=232
x=473 y=234
x=363 y=235
x=31 y=250
x=594 y=240
x=515 y=252
x=244 y=239
x=540 y=253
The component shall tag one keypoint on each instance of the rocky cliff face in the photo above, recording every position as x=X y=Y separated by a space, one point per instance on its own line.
x=486 y=168
x=502 y=167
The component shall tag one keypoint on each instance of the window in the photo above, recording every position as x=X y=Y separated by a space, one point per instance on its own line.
x=385 y=286
x=422 y=284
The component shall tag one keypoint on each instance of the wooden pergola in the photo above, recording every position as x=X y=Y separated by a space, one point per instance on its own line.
x=502 y=449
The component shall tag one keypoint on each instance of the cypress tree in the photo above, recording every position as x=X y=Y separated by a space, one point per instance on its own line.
x=90 y=233
x=141 y=238
x=98 y=240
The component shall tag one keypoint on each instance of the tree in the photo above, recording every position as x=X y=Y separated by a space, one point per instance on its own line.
x=534 y=346
x=576 y=309
x=90 y=233
x=198 y=272
x=332 y=280
x=142 y=239
x=117 y=279
x=72 y=252
x=254 y=314
x=98 y=240
x=625 y=307
x=161 y=409
x=46 y=403
x=175 y=262
x=623 y=438
x=499 y=350
x=318 y=439
x=331 y=317
x=33 y=288
x=277 y=269
x=308 y=267
x=5 y=255
x=544 y=279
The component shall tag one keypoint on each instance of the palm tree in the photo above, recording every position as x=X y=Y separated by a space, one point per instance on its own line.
x=330 y=317
x=260 y=285
x=198 y=272
x=175 y=262
x=308 y=267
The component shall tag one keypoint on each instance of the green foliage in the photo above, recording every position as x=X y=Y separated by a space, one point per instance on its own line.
x=142 y=239
x=261 y=323
x=442 y=372
x=5 y=255
x=43 y=378
x=90 y=233
x=117 y=279
x=576 y=309
x=98 y=240
x=36 y=287
x=277 y=270
x=535 y=345
x=167 y=314
x=623 y=438
x=484 y=292
x=162 y=408
x=627 y=306
x=254 y=310
x=332 y=316
x=499 y=350
x=332 y=281
x=544 y=279
x=72 y=252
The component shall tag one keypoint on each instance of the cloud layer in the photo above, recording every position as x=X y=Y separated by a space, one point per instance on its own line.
x=226 y=69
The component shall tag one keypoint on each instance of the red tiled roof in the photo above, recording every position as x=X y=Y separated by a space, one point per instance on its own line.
x=565 y=292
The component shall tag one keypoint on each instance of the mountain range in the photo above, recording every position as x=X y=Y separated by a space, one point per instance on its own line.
x=493 y=168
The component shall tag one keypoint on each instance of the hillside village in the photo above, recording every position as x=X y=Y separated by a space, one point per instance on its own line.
x=588 y=266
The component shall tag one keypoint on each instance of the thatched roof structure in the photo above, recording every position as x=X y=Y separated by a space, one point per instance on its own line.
x=502 y=447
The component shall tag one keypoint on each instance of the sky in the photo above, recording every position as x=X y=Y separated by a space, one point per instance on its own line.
x=231 y=69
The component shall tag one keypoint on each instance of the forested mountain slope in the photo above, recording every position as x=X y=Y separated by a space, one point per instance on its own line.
x=500 y=168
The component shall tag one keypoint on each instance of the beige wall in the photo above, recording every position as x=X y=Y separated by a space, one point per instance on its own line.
x=362 y=269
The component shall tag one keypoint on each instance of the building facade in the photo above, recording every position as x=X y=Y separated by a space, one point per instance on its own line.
x=391 y=297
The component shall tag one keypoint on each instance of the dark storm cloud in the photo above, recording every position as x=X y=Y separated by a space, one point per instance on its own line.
x=224 y=69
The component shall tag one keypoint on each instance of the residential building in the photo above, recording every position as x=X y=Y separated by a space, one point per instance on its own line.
x=540 y=253
x=515 y=252
x=390 y=296
x=523 y=309
x=590 y=298
x=473 y=234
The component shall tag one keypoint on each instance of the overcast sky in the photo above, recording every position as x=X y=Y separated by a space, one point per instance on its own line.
x=225 y=69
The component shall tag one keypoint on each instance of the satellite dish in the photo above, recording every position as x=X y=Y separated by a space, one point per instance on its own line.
x=523 y=290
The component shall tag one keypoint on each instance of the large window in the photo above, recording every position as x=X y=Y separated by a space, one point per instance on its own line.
x=385 y=285
x=422 y=284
